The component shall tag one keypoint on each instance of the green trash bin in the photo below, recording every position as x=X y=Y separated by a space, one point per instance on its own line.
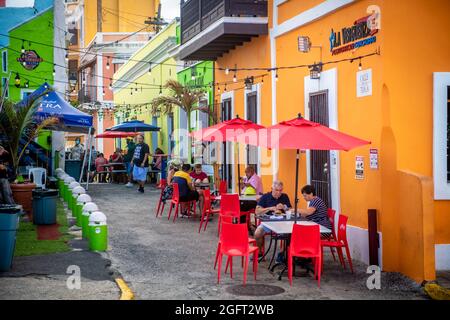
x=67 y=181
x=44 y=206
x=72 y=185
x=9 y=223
x=75 y=193
x=98 y=232
x=87 y=210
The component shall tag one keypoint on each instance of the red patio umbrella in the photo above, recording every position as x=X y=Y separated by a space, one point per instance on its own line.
x=301 y=134
x=116 y=134
x=228 y=131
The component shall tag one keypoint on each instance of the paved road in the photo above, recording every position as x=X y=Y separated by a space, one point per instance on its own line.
x=45 y=277
x=164 y=260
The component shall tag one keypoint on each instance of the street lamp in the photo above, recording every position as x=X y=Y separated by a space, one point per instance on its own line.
x=73 y=81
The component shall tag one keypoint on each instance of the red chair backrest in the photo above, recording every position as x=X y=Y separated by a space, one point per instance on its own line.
x=331 y=213
x=305 y=239
x=230 y=205
x=222 y=187
x=206 y=199
x=176 y=192
x=342 y=228
x=234 y=236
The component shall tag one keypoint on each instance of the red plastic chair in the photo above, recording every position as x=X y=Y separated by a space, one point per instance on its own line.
x=341 y=241
x=331 y=213
x=207 y=210
x=305 y=243
x=162 y=185
x=176 y=202
x=222 y=189
x=229 y=211
x=234 y=243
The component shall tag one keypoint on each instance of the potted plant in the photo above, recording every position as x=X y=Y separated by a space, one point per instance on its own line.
x=16 y=123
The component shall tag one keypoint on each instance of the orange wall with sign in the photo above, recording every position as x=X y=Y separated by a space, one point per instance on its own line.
x=397 y=118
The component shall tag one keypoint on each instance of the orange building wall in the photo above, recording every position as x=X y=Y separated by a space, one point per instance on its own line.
x=397 y=118
x=291 y=8
x=259 y=56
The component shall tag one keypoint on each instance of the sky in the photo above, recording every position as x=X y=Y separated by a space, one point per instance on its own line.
x=170 y=9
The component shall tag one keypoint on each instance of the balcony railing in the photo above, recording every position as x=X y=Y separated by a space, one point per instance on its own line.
x=197 y=15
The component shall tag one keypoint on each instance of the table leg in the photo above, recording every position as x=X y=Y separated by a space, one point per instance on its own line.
x=267 y=251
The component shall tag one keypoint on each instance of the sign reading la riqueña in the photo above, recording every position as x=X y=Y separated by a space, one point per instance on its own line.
x=361 y=34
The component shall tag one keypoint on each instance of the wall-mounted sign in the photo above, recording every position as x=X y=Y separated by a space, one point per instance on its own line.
x=30 y=59
x=364 y=83
x=359 y=168
x=374 y=159
x=361 y=34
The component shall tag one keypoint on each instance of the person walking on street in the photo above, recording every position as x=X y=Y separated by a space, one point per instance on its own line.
x=128 y=161
x=140 y=162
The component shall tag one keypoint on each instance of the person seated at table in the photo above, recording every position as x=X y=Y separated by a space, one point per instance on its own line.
x=186 y=187
x=156 y=163
x=251 y=184
x=174 y=166
x=268 y=204
x=99 y=167
x=117 y=157
x=316 y=210
x=198 y=175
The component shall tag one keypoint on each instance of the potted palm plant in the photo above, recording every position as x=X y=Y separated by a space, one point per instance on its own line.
x=17 y=123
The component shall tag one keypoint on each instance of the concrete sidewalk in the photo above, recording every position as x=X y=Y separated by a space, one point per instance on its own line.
x=47 y=276
x=164 y=260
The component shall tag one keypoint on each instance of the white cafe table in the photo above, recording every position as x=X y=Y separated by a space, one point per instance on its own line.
x=285 y=227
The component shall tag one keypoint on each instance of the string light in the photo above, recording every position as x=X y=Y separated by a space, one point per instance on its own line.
x=235 y=78
x=103 y=92
x=276 y=75
x=107 y=64
x=54 y=71
x=67 y=55
x=360 y=65
x=227 y=71
x=23 y=48
x=150 y=68
x=160 y=90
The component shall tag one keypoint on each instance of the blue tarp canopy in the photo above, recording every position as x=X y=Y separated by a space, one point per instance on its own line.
x=53 y=105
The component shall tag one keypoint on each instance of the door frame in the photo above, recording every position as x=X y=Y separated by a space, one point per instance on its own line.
x=225 y=96
x=327 y=81
x=256 y=88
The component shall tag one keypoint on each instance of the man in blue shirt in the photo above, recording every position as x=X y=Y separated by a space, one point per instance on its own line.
x=270 y=202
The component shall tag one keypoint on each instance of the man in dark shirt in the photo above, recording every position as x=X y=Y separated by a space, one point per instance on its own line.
x=140 y=162
x=186 y=188
x=269 y=202
x=128 y=160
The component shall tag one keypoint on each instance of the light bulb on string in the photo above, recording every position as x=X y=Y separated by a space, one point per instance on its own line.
x=235 y=78
x=150 y=68
x=54 y=71
x=218 y=89
x=107 y=64
x=23 y=48
x=276 y=75
x=360 y=65
x=227 y=71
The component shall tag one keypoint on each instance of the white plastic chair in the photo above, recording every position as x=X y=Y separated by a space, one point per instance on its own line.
x=37 y=174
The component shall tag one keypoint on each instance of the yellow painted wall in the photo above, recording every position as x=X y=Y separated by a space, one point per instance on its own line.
x=397 y=118
x=117 y=16
x=159 y=75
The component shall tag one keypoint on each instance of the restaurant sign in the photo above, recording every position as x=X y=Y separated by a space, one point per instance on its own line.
x=362 y=33
x=30 y=59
